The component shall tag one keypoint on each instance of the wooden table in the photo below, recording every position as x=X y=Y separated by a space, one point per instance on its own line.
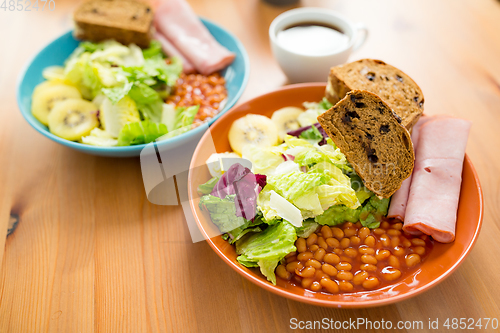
x=90 y=253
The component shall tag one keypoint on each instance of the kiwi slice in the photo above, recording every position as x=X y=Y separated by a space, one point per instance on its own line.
x=73 y=118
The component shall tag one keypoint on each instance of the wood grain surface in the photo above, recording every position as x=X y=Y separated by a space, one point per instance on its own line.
x=91 y=254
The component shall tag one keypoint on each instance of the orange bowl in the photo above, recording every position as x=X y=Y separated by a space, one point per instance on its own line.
x=441 y=262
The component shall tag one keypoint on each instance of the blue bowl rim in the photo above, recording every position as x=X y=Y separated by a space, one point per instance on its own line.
x=174 y=141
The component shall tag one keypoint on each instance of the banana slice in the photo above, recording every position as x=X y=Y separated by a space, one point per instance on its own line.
x=73 y=118
x=46 y=95
x=285 y=120
x=114 y=116
x=252 y=129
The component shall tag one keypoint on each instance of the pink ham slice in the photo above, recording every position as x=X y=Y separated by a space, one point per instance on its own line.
x=171 y=50
x=178 y=23
x=437 y=177
x=399 y=199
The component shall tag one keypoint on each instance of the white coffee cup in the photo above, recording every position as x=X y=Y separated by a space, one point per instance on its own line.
x=314 y=68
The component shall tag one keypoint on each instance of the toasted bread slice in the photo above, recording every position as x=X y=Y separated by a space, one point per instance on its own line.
x=396 y=88
x=373 y=140
x=126 y=21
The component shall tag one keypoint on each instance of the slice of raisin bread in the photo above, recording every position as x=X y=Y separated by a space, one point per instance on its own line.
x=126 y=21
x=396 y=88
x=373 y=140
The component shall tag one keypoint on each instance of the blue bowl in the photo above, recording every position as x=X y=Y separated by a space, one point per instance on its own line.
x=58 y=51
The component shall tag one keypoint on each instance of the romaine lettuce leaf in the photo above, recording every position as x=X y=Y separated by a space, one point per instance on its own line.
x=140 y=132
x=153 y=50
x=295 y=184
x=265 y=249
x=181 y=121
x=264 y=159
x=222 y=212
x=117 y=93
x=308 y=227
x=208 y=187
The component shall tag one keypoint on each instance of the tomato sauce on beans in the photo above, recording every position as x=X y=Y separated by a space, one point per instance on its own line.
x=207 y=91
x=351 y=258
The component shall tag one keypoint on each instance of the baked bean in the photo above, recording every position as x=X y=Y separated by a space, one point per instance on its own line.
x=337 y=233
x=420 y=250
x=382 y=254
x=345 y=286
x=424 y=237
x=350 y=252
x=307 y=282
x=345 y=242
x=370 y=241
x=344 y=275
x=319 y=254
x=320 y=274
x=404 y=241
x=412 y=259
x=368 y=267
x=301 y=245
x=313 y=263
x=349 y=232
x=290 y=259
x=291 y=267
x=315 y=286
x=397 y=226
x=394 y=261
x=391 y=274
x=363 y=233
x=366 y=250
x=398 y=251
x=418 y=242
x=328 y=259
x=326 y=232
x=346 y=259
x=385 y=240
x=355 y=240
x=368 y=259
x=312 y=239
x=304 y=256
x=333 y=242
x=322 y=243
x=371 y=282
x=394 y=241
x=329 y=269
x=282 y=272
x=307 y=272
x=344 y=266
x=330 y=285
x=359 y=277
x=206 y=91
x=331 y=258
x=393 y=232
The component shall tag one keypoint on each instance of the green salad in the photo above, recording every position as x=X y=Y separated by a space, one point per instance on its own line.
x=294 y=186
x=109 y=94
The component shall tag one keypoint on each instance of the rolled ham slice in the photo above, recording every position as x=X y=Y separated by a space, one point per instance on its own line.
x=437 y=177
x=171 y=50
x=399 y=199
x=179 y=24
